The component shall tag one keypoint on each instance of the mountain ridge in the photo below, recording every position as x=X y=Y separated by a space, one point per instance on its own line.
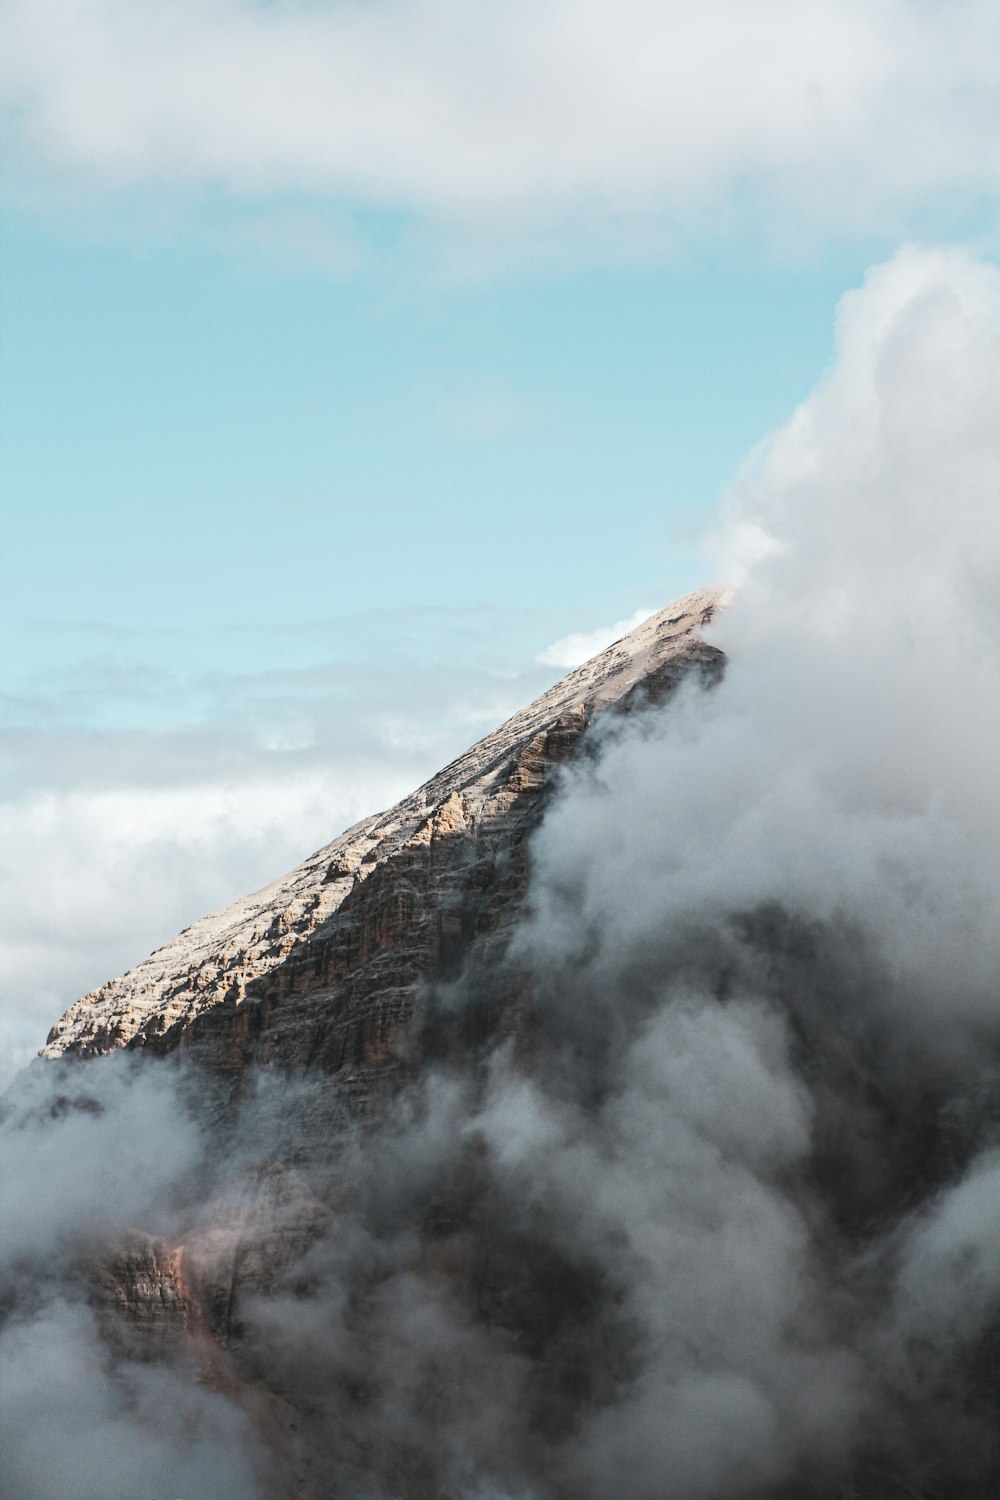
x=223 y=955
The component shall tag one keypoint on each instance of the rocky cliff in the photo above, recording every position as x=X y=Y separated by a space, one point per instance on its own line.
x=321 y=967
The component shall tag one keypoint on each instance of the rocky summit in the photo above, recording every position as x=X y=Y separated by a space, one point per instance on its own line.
x=323 y=967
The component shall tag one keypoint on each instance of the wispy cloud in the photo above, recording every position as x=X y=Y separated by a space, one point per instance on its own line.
x=489 y=412
x=571 y=650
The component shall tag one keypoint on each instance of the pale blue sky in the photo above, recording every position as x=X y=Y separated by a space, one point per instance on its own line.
x=353 y=354
x=194 y=444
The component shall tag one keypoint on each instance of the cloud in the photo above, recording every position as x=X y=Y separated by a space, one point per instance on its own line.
x=563 y=120
x=83 y=1160
x=77 y=1423
x=850 y=761
x=109 y=1155
x=94 y=879
x=491 y=412
x=579 y=647
x=765 y=935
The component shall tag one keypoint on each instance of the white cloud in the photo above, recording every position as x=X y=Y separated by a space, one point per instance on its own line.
x=572 y=650
x=796 y=875
x=551 y=113
x=92 y=880
x=848 y=770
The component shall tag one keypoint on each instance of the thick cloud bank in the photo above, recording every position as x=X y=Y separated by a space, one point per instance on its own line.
x=723 y=1223
x=767 y=924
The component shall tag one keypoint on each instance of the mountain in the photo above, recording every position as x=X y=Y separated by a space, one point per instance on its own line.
x=553 y=1135
x=320 y=968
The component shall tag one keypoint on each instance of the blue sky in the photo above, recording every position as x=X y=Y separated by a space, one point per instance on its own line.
x=194 y=444
x=353 y=354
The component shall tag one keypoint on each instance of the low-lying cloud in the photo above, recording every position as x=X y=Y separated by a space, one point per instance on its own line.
x=82 y=1162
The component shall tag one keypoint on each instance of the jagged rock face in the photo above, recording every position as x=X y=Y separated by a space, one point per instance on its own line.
x=320 y=968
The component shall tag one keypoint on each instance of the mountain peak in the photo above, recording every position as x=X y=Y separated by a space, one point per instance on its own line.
x=224 y=958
